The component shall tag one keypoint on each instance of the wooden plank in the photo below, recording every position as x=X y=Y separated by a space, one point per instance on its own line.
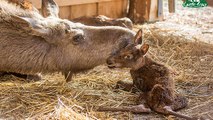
x=147 y=10
x=64 y=12
x=153 y=15
x=171 y=6
x=113 y=9
x=139 y=10
x=125 y=8
x=83 y=10
x=37 y=3
x=160 y=9
x=210 y=3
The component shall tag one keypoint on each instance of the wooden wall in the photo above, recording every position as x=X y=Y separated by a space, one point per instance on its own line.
x=210 y=2
x=70 y=9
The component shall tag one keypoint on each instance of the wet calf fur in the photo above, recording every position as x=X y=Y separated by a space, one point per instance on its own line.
x=151 y=78
x=31 y=43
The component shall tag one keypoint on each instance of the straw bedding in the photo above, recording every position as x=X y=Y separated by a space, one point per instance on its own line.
x=51 y=98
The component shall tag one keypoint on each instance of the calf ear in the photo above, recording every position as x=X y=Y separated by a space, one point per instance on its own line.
x=144 y=48
x=49 y=8
x=138 y=37
x=30 y=25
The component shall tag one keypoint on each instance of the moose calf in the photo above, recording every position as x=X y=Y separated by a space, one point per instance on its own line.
x=150 y=77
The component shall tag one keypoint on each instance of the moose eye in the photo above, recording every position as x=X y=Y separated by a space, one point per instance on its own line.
x=77 y=39
x=128 y=57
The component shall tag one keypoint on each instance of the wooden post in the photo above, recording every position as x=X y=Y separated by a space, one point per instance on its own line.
x=171 y=6
x=153 y=15
x=160 y=9
x=139 y=10
x=145 y=10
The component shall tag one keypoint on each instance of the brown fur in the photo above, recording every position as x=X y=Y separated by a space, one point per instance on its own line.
x=150 y=77
x=32 y=44
x=102 y=20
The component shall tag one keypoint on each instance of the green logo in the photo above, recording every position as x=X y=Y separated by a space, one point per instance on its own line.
x=195 y=3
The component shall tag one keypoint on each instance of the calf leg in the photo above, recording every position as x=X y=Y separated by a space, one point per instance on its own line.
x=159 y=97
x=169 y=110
x=125 y=85
x=134 y=109
x=161 y=100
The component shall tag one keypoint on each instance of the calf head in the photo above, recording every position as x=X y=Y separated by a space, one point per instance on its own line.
x=130 y=56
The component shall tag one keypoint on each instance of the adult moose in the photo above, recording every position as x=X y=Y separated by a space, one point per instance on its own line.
x=33 y=44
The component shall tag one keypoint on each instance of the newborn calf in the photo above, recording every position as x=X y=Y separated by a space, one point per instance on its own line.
x=150 y=77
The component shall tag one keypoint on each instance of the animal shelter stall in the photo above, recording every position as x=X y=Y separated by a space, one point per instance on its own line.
x=140 y=11
x=71 y=9
x=182 y=41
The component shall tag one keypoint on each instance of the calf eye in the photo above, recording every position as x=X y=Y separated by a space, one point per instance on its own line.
x=128 y=57
x=77 y=39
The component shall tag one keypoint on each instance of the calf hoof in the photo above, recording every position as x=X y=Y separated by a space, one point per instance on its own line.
x=126 y=85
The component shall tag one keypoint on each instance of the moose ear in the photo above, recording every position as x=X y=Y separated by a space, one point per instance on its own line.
x=31 y=25
x=49 y=8
x=144 y=48
x=138 y=37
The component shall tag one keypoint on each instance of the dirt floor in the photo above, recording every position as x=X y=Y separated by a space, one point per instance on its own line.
x=183 y=42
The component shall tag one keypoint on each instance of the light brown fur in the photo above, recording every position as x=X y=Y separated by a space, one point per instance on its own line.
x=32 y=44
x=102 y=20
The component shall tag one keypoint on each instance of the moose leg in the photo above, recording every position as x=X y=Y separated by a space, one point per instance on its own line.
x=35 y=77
x=134 y=109
x=2 y=74
x=68 y=76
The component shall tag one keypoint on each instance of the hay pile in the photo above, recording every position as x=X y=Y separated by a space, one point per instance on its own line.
x=52 y=98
